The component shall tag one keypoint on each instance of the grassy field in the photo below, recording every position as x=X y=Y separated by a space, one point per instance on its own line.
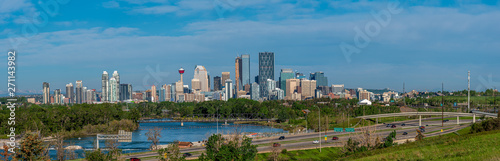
x=454 y=146
x=482 y=146
x=311 y=154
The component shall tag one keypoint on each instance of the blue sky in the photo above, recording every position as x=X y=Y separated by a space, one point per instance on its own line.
x=424 y=43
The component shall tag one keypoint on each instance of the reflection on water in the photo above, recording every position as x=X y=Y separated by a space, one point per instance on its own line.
x=170 y=131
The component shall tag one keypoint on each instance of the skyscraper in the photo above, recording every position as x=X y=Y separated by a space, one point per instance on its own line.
x=308 y=87
x=291 y=87
x=162 y=92
x=237 y=73
x=46 y=93
x=78 y=92
x=320 y=78
x=217 y=83
x=117 y=85
x=284 y=75
x=70 y=92
x=125 y=92
x=200 y=73
x=153 y=94
x=57 y=96
x=112 y=90
x=266 y=71
x=245 y=70
x=168 y=92
x=225 y=76
x=104 y=88
x=195 y=85
x=271 y=85
x=228 y=90
x=255 y=94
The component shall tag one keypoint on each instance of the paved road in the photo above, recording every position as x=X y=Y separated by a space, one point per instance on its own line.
x=382 y=132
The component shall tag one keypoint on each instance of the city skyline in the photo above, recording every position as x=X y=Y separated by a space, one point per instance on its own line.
x=80 y=45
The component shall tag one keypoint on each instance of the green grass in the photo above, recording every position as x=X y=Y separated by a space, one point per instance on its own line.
x=465 y=146
x=481 y=146
x=311 y=154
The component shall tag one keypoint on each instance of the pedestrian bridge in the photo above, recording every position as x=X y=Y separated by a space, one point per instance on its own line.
x=420 y=114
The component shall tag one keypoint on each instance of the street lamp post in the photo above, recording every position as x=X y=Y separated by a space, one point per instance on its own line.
x=319 y=128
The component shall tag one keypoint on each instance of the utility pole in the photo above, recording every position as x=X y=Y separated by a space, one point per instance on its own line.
x=468 y=99
x=442 y=105
x=404 y=91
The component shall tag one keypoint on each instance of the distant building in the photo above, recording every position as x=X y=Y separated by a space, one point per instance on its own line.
x=225 y=76
x=266 y=71
x=245 y=71
x=284 y=75
x=320 y=78
x=196 y=85
x=217 y=83
x=255 y=94
x=104 y=88
x=337 y=88
x=237 y=73
x=57 y=96
x=116 y=85
x=78 y=92
x=364 y=95
x=46 y=93
x=113 y=97
x=125 y=92
x=291 y=87
x=271 y=85
x=70 y=93
x=228 y=90
x=308 y=88
x=200 y=73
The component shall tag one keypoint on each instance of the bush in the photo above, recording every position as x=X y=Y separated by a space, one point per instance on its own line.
x=487 y=125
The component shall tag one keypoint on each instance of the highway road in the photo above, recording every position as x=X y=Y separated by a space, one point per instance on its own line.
x=301 y=141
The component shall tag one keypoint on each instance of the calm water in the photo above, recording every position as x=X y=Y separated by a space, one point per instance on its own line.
x=190 y=132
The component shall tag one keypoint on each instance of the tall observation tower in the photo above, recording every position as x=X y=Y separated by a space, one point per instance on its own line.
x=181 y=71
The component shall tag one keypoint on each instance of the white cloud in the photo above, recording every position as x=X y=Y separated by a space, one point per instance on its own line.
x=110 y=4
x=156 y=9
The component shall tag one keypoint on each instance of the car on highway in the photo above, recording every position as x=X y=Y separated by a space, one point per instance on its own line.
x=315 y=142
x=276 y=144
x=388 y=125
x=405 y=133
x=335 y=138
x=393 y=126
x=135 y=159
x=187 y=154
x=422 y=127
x=403 y=124
x=281 y=138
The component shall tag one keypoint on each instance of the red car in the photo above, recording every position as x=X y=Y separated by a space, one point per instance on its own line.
x=393 y=126
x=276 y=144
x=135 y=159
x=335 y=138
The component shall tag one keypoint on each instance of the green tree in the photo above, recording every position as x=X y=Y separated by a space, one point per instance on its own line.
x=171 y=153
x=97 y=155
x=235 y=148
x=32 y=148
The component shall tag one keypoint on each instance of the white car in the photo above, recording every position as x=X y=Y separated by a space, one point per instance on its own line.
x=315 y=142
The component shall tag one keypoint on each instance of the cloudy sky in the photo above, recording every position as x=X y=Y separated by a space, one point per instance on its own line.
x=369 y=44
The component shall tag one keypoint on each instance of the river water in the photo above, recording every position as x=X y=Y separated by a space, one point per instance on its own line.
x=171 y=131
